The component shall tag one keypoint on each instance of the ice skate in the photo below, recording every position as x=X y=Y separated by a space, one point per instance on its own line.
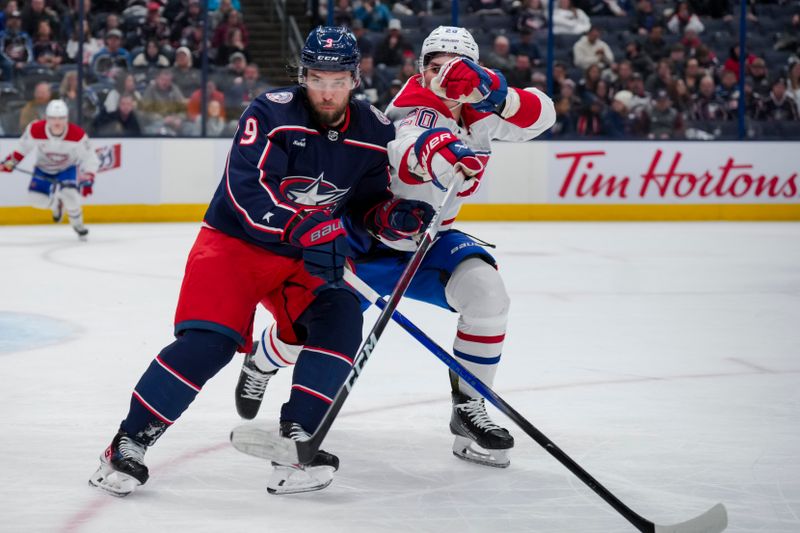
x=82 y=232
x=296 y=478
x=251 y=386
x=478 y=439
x=122 y=467
x=58 y=211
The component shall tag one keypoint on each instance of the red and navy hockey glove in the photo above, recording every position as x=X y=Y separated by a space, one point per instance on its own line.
x=398 y=219
x=85 y=184
x=463 y=80
x=441 y=154
x=325 y=248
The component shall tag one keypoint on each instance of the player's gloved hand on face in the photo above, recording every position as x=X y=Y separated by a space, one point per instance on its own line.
x=322 y=238
x=463 y=80
x=398 y=219
x=441 y=155
x=85 y=184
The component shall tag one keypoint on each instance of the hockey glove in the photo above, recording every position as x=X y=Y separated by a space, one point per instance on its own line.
x=398 y=219
x=325 y=249
x=465 y=81
x=441 y=154
x=11 y=162
x=85 y=184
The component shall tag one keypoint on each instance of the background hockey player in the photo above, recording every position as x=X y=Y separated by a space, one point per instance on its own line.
x=65 y=165
x=301 y=157
x=446 y=117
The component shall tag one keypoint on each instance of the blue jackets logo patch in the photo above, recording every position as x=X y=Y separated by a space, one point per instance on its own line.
x=282 y=97
x=312 y=192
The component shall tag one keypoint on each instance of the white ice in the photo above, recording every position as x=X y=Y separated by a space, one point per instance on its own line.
x=663 y=358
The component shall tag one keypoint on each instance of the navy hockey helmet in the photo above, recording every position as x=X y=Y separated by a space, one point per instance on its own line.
x=331 y=48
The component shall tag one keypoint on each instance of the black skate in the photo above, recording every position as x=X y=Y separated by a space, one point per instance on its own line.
x=82 y=232
x=295 y=478
x=58 y=212
x=478 y=439
x=251 y=387
x=122 y=467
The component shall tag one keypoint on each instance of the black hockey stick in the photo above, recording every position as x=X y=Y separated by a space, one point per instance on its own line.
x=259 y=442
x=712 y=521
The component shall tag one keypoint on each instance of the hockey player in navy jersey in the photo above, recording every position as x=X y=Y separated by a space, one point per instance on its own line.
x=446 y=117
x=65 y=165
x=302 y=158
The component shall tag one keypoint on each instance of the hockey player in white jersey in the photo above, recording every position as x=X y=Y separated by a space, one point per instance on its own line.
x=446 y=117
x=65 y=165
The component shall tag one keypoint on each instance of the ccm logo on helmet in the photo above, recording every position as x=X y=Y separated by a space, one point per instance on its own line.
x=328 y=58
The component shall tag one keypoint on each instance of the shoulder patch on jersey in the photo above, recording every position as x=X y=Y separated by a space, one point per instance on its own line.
x=283 y=97
x=381 y=117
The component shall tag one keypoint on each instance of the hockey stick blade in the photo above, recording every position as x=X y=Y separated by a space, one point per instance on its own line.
x=258 y=441
x=714 y=520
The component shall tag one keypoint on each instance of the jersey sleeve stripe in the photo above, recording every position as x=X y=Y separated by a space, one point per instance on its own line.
x=242 y=210
x=262 y=180
x=279 y=129
x=530 y=109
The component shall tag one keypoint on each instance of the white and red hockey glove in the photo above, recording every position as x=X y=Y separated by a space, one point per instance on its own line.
x=441 y=155
x=463 y=80
x=85 y=184
x=11 y=162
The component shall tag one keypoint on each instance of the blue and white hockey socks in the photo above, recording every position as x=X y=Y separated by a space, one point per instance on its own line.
x=172 y=381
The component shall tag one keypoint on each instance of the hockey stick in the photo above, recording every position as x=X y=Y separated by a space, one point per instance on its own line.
x=714 y=520
x=255 y=441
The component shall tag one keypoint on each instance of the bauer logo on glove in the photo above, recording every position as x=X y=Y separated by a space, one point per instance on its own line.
x=441 y=154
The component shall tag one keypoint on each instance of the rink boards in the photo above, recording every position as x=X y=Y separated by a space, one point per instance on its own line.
x=150 y=180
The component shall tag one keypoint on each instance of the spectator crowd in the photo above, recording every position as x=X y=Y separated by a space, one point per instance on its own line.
x=140 y=61
x=657 y=69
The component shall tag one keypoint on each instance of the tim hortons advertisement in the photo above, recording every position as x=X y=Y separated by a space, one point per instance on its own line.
x=674 y=173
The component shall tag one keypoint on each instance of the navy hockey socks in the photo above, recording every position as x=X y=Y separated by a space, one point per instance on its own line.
x=172 y=381
x=333 y=323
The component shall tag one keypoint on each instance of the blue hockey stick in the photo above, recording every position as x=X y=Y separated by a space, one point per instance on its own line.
x=714 y=520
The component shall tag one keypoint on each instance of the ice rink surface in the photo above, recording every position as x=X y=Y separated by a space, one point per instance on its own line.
x=662 y=357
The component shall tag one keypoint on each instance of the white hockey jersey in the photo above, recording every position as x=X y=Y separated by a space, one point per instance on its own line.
x=416 y=109
x=55 y=154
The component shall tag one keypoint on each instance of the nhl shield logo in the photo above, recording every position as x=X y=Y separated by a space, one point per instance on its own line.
x=282 y=97
x=333 y=135
x=312 y=192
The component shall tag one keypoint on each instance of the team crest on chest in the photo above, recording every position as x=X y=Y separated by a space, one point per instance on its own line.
x=282 y=97
x=312 y=192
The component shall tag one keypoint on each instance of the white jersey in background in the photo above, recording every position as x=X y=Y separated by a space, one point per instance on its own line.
x=56 y=154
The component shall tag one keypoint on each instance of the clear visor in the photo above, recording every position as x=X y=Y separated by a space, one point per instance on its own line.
x=318 y=84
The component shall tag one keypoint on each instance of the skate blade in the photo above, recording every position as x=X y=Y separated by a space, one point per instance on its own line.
x=113 y=482
x=293 y=480
x=468 y=450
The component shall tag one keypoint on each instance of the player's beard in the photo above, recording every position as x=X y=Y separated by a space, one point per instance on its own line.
x=330 y=117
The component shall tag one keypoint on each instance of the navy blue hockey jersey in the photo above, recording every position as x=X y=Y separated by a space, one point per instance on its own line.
x=282 y=161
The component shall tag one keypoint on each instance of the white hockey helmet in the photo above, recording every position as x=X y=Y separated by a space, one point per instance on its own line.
x=56 y=109
x=450 y=40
